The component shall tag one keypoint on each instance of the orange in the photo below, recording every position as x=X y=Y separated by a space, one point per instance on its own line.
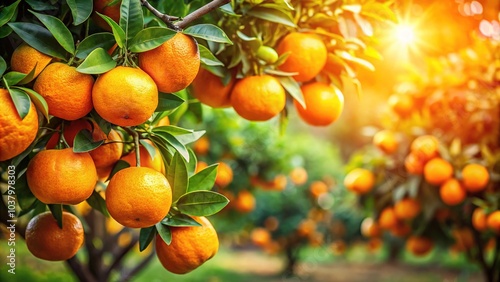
x=190 y=247
x=324 y=104
x=298 y=176
x=138 y=197
x=163 y=122
x=271 y=223
x=209 y=89
x=316 y=239
x=200 y=165
x=278 y=183
x=401 y=104
x=172 y=65
x=419 y=245
x=425 y=147
x=125 y=96
x=307 y=55
x=370 y=228
x=413 y=164
x=493 y=221
x=359 y=180
x=318 y=188
x=386 y=141
x=374 y=244
x=452 y=192
x=45 y=240
x=68 y=93
x=70 y=132
x=387 y=218
x=16 y=134
x=244 y=202
x=25 y=58
x=437 y=171
x=464 y=238
x=201 y=146
x=107 y=8
x=306 y=227
x=407 y=208
x=479 y=219
x=475 y=177
x=155 y=162
x=224 y=175
x=107 y=154
x=258 y=98
x=61 y=176
x=260 y=236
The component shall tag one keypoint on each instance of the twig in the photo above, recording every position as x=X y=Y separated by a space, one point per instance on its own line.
x=120 y=255
x=167 y=19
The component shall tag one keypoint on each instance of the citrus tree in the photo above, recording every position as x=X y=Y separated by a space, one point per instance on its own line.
x=93 y=94
x=431 y=175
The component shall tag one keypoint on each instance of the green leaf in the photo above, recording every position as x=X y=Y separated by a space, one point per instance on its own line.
x=131 y=18
x=146 y=235
x=175 y=143
x=118 y=32
x=5 y=31
x=207 y=58
x=201 y=203
x=272 y=15
x=118 y=166
x=39 y=38
x=203 y=180
x=150 y=148
x=97 y=202
x=80 y=9
x=150 y=38
x=14 y=77
x=104 y=40
x=185 y=136
x=169 y=103
x=292 y=87
x=102 y=123
x=21 y=101
x=177 y=176
x=59 y=30
x=38 y=100
x=191 y=165
x=97 y=62
x=180 y=220
x=84 y=142
x=37 y=5
x=6 y=13
x=208 y=32
x=57 y=213
x=164 y=232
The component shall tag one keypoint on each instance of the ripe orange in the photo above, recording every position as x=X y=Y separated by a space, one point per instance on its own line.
x=108 y=8
x=306 y=227
x=493 y=221
x=307 y=55
x=68 y=93
x=201 y=146
x=475 y=177
x=464 y=238
x=244 y=202
x=70 y=132
x=138 y=197
x=298 y=176
x=359 y=180
x=271 y=223
x=318 y=188
x=224 y=175
x=437 y=171
x=200 y=165
x=387 y=219
x=260 y=236
x=324 y=104
x=258 y=98
x=61 y=176
x=370 y=228
x=25 y=58
x=401 y=104
x=209 y=89
x=45 y=240
x=374 y=244
x=452 y=192
x=125 y=96
x=418 y=245
x=16 y=134
x=479 y=219
x=386 y=141
x=401 y=229
x=174 y=64
x=407 y=208
x=413 y=164
x=190 y=247
x=155 y=162
x=106 y=155
x=425 y=147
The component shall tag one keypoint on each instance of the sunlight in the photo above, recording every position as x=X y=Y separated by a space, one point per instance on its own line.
x=404 y=34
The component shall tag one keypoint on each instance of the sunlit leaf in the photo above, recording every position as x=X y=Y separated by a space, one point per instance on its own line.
x=37 y=100
x=201 y=203
x=103 y=40
x=118 y=31
x=208 y=32
x=180 y=220
x=21 y=101
x=97 y=62
x=150 y=38
x=164 y=232
x=6 y=13
x=204 y=179
x=177 y=176
x=97 y=202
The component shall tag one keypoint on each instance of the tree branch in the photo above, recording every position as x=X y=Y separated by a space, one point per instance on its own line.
x=167 y=19
x=81 y=272
x=120 y=255
x=127 y=275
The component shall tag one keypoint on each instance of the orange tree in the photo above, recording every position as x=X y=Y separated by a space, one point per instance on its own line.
x=436 y=161
x=92 y=93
